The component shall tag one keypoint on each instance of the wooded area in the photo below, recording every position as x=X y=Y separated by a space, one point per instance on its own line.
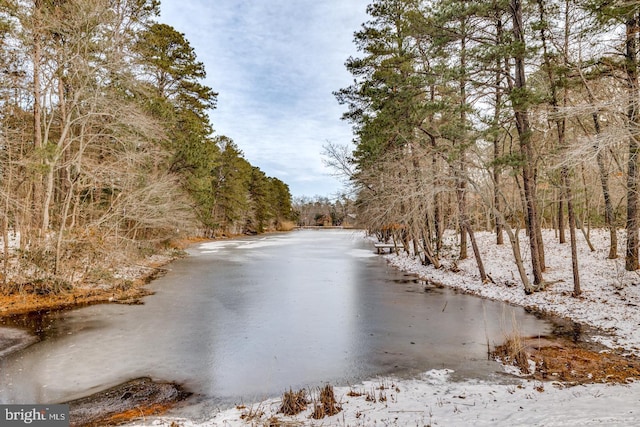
x=106 y=147
x=496 y=115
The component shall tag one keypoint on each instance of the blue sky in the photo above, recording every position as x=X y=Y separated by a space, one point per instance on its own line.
x=275 y=64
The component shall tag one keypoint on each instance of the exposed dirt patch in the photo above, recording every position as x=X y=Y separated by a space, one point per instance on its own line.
x=134 y=399
x=558 y=359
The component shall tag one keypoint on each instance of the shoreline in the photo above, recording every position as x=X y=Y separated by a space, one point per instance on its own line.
x=24 y=303
x=568 y=386
x=140 y=275
x=610 y=299
x=400 y=403
x=134 y=398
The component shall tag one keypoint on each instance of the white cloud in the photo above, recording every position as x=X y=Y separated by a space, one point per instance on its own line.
x=275 y=65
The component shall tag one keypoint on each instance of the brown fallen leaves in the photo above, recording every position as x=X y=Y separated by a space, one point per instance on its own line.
x=573 y=363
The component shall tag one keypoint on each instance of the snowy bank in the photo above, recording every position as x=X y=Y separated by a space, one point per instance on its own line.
x=610 y=301
x=610 y=297
x=433 y=400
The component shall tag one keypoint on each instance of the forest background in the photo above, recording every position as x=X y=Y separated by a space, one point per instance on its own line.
x=496 y=115
x=499 y=115
x=107 y=152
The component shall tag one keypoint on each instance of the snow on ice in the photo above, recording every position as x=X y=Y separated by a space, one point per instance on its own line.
x=610 y=302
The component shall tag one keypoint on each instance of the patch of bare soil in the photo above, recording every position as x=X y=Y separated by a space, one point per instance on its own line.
x=559 y=359
x=132 y=400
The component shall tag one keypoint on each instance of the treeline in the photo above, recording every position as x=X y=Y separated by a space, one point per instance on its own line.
x=321 y=211
x=499 y=115
x=106 y=147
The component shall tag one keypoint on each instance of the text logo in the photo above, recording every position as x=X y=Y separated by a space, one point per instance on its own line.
x=34 y=415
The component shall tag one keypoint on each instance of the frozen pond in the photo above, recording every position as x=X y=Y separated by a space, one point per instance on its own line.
x=245 y=319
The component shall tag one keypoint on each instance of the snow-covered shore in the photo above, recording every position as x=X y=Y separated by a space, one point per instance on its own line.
x=610 y=301
x=610 y=297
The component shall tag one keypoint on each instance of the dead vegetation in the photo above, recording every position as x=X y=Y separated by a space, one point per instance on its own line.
x=22 y=303
x=572 y=364
x=276 y=422
x=557 y=359
x=124 y=285
x=325 y=405
x=354 y=393
x=294 y=402
x=252 y=414
x=513 y=352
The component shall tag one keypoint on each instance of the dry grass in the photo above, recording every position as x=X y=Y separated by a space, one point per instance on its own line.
x=28 y=302
x=31 y=297
x=326 y=405
x=294 y=402
x=355 y=393
x=136 y=413
x=558 y=359
x=286 y=226
x=513 y=352
x=276 y=422
x=252 y=414
x=571 y=364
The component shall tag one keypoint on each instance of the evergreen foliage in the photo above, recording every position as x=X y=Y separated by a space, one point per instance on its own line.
x=106 y=146
x=495 y=114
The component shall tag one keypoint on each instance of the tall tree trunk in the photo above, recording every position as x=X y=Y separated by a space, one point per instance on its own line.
x=438 y=221
x=36 y=60
x=466 y=229
x=53 y=163
x=539 y=239
x=437 y=199
x=609 y=216
x=566 y=183
x=515 y=249
x=496 y=169
x=561 y=199
x=5 y=244
x=429 y=256
x=497 y=204
x=631 y=258
x=497 y=152
x=461 y=184
x=561 y=131
x=420 y=229
x=462 y=212
x=524 y=132
x=61 y=230
x=609 y=213
x=7 y=181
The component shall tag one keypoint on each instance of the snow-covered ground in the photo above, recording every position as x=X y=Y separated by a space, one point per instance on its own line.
x=610 y=301
x=610 y=297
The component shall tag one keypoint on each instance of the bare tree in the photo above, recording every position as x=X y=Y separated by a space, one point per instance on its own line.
x=521 y=115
